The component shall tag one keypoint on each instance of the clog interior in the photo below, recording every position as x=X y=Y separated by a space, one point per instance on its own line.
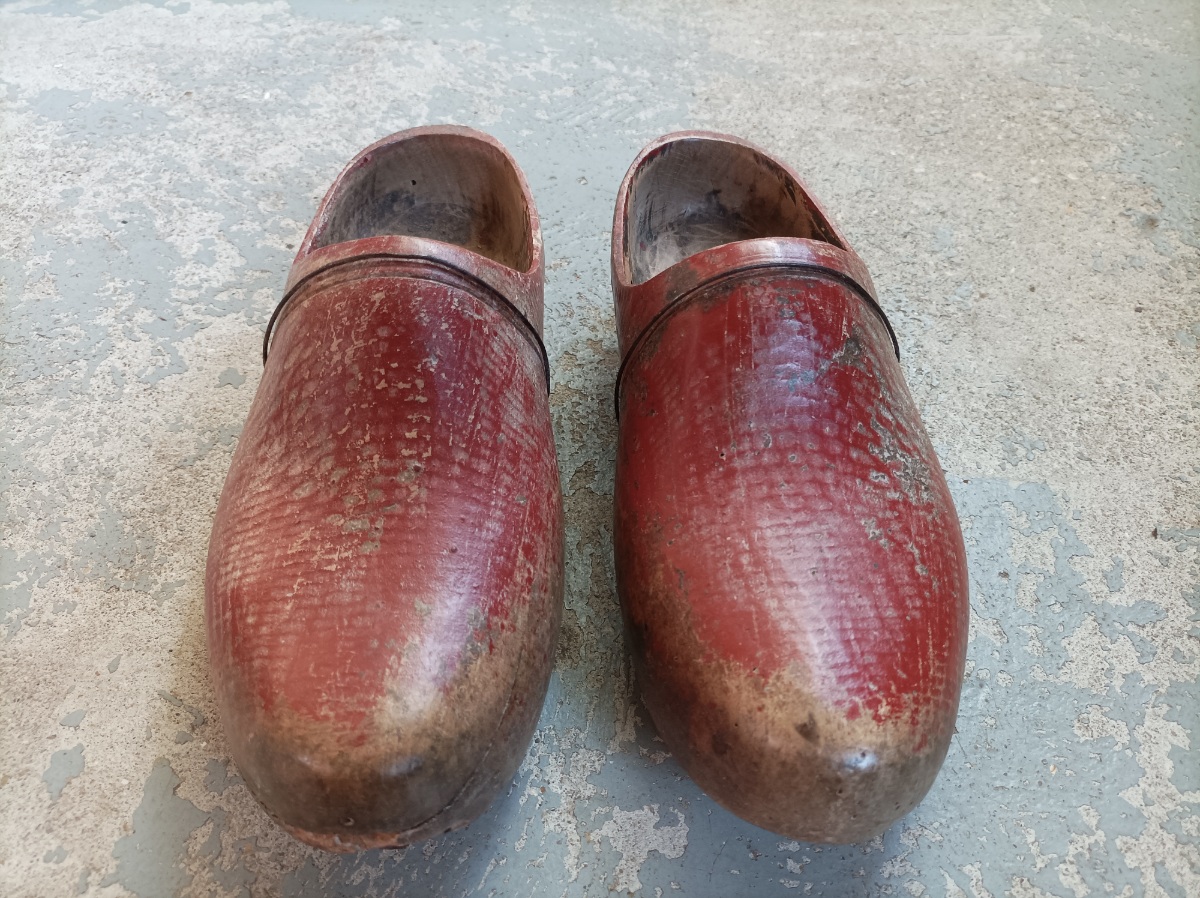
x=445 y=187
x=698 y=193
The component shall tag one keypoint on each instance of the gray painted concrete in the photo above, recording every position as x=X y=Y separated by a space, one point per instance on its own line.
x=1022 y=180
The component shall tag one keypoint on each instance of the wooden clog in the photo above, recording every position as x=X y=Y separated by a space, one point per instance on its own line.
x=789 y=560
x=384 y=580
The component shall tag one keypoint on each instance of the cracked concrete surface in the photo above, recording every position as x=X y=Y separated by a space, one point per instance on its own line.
x=1022 y=180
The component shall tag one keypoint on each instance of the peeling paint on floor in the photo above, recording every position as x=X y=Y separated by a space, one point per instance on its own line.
x=1023 y=183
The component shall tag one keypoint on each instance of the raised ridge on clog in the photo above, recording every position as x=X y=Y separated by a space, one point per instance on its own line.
x=789 y=561
x=384 y=580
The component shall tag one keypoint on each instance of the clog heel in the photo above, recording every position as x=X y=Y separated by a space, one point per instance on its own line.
x=384 y=579
x=789 y=561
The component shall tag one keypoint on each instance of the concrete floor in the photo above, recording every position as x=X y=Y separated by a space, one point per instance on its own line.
x=1021 y=178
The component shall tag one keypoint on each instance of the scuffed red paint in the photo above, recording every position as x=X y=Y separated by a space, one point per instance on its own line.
x=742 y=423
x=783 y=531
x=384 y=579
x=382 y=504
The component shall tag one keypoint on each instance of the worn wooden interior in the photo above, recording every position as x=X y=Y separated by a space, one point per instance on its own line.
x=698 y=193
x=439 y=186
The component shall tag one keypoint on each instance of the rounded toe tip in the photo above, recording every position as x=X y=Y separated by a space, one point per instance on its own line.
x=345 y=801
x=837 y=794
x=871 y=789
x=780 y=758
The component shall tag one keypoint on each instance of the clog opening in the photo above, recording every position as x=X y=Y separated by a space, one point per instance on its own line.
x=697 y=193
x=446 y=187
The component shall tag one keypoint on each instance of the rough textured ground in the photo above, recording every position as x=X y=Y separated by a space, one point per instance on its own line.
x=1022 y=179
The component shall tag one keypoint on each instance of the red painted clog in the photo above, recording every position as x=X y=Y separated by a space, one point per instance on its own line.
x=789 y=561
x=384 y=581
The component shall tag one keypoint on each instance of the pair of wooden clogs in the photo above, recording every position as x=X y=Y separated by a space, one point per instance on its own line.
x=385 y=575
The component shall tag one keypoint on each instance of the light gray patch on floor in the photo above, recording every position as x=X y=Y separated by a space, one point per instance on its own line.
x=20 y=574
x=206 y=441
x=115 y=554
x=1020 y=771
x=114 y=664
x=74 y=719
x=217 y=777
x=1182 y=539
x=1019 y=448
x=1114 y=577
x=71 y=336
x=172 y=700
x=94 y=119
x=55 y=856
x=198 y=718
x=150 y=858
x=65 y=765
x=229 y=870
x=231 y=377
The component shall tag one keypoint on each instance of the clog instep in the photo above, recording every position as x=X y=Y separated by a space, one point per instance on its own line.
x=789 y=561
x=384 y=580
